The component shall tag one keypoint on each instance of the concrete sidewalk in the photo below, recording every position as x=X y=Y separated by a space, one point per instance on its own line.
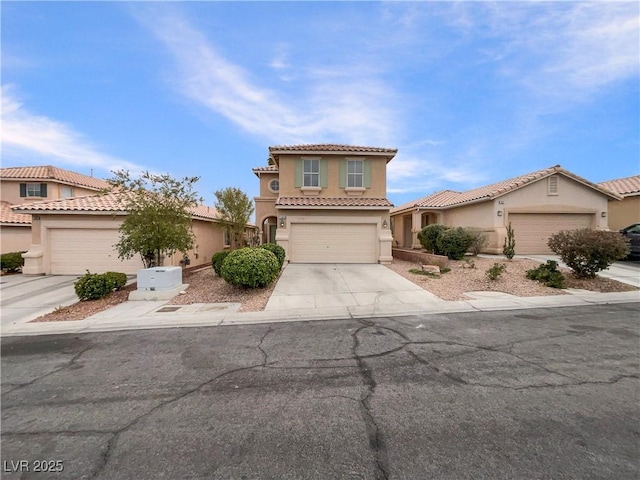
x=347 y=292
x=149 y=315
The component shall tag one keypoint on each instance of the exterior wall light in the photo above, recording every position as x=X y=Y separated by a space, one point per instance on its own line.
x=282 y=220
x=499 y=213
x=603 y=214
x=384 y=224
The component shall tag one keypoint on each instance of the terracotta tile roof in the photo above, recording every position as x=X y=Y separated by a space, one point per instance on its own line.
x=332 y=202
x=270 y=168
x=48 y=172
x=7 y=216
x=206 y=212
x=267 y=169
x=450 y=198
x=110 y=202
x=626 y=187
x=330 y=147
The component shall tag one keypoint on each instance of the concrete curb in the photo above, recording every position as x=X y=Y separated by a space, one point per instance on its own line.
x=146 y=315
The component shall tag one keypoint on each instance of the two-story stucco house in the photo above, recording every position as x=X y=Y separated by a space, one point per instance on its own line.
x=23 y=185
x=326 y=203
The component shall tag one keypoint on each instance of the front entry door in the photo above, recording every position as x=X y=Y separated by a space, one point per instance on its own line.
x=272 y=233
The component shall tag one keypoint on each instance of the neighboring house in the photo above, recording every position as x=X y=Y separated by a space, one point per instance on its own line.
x=627 y=212
x=15 y=229
x=19 y=185
x=326 y=203
x=70 y=236
x=537 y=205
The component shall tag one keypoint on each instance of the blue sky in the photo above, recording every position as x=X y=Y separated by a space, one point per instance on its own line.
x=468 y=92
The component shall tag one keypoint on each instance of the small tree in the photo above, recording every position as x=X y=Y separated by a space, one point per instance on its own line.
x=158 y=221
x=509 y=248
x=235 y=208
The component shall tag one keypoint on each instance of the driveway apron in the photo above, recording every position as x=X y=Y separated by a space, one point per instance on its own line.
x=314 y=286
x=24 y=298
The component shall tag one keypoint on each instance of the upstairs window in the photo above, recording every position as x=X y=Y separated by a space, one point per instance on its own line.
x=355 y=173
x=33 y=189
x=274 y=185
x=311 y=173
x=66 y=191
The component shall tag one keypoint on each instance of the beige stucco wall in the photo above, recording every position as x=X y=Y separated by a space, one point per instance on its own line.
x=572 y=197
x=209 y=239
x=14 y=238
x=376 y=217
x=10 y=191
x=287 y=167
x=623 y=213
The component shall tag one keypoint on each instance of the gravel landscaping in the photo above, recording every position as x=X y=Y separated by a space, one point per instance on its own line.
x=206 y=287
x=461 y=279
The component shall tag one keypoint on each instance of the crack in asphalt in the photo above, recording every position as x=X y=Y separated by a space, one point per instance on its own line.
x=112 y=443
x=48 y=374
x=376 y=439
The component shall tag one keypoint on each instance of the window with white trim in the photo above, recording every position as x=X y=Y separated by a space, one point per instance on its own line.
x=355 y=173
x=311 y=173
x=274 y=185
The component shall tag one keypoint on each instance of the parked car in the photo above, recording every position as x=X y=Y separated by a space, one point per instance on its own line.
x=632 y=232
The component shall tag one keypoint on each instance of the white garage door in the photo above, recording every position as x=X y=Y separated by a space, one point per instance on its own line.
x=333 y=243
x=532 y=230
x=76 y=250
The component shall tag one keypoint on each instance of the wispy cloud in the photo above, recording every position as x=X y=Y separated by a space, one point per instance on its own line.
x=26 y=135
x=322 y=107
x=564 y=51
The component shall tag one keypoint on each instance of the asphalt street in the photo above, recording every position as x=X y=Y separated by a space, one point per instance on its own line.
x=529 y=394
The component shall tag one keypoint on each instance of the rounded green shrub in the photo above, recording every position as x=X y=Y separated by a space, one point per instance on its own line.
x=277 y=250
x=587 y=251
x=119 y=279
x=217 y=259
x=92 y=286
x=428 y=237
x=11 y=262
x=454 y=242
x=250 y=267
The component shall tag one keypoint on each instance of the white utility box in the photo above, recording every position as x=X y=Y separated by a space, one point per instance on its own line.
x=159 y=278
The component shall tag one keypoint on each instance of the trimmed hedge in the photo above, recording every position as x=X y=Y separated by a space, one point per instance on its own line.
x=428 y=237
x=11 y=262
x=119 y=279
x=250 y=267
x=92 y=286
x=277 y=250
x=217 y=259
x=454 y=242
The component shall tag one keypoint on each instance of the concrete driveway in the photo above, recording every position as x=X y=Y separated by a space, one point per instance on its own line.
x=310 y=286
x=23 y=298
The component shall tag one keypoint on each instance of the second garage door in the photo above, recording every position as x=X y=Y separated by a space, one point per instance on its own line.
x=76 y=250
x=532 y=230
x=333 y=243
